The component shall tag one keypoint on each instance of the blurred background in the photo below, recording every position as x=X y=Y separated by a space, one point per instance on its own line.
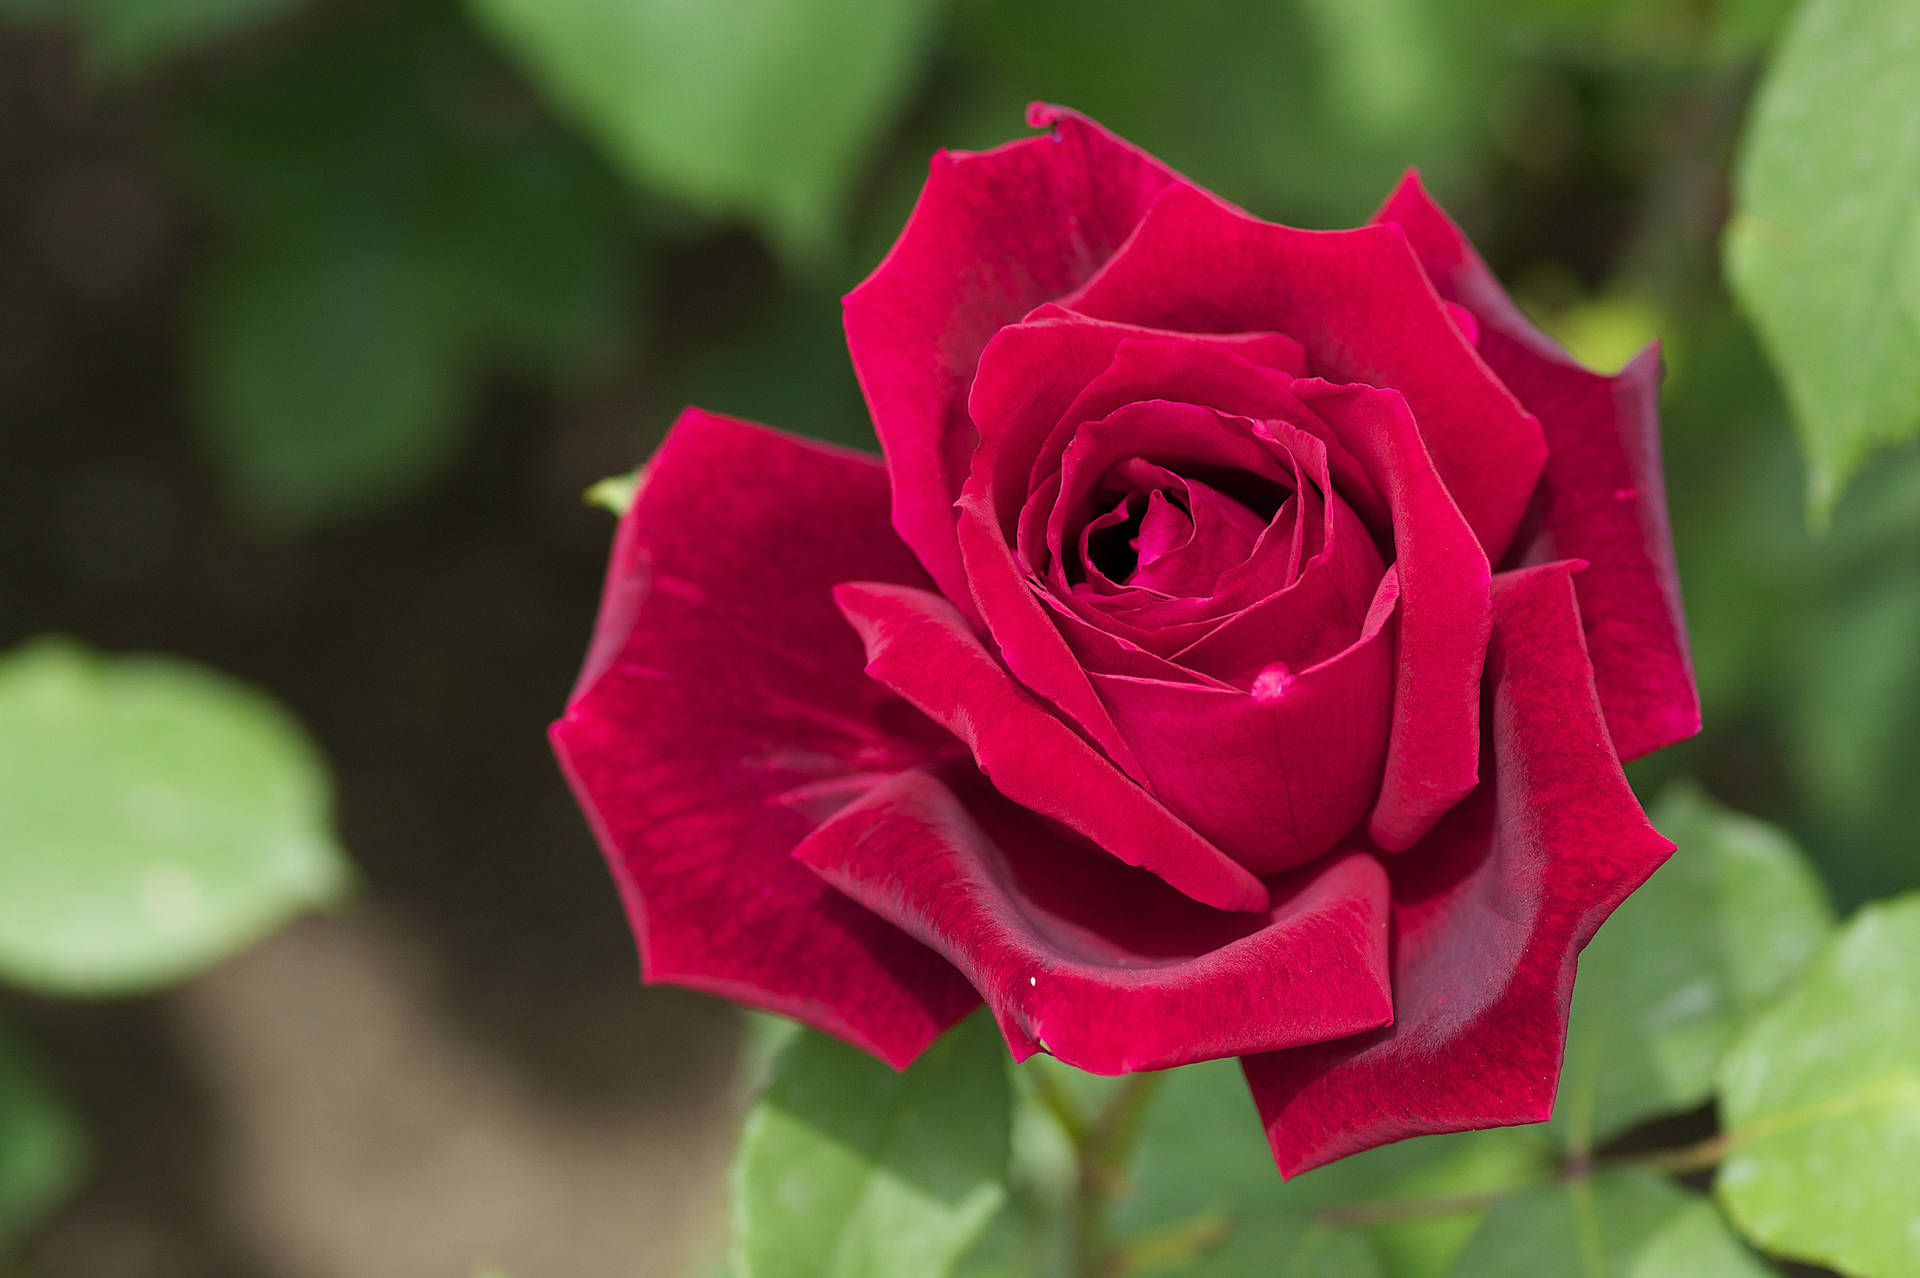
x=317 y=317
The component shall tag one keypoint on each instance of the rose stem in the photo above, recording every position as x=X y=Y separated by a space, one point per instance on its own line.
x=1103 y=1151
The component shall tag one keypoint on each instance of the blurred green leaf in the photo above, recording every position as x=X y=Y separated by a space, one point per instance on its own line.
x=154 y=818
x=42 y=1151
x=1033 y=1237
x=785 y=364
x=398 y=222
x=1617 y=34
x=127 y=36
x=1624 y=1223
x=847 y=1167
x=1857 y=708
x=1204 y=1153
x=1310 y=111
x=1605 y=332
x=1823 y=249
x=1675 y=973
x=1821 y=1100
x=759 y=108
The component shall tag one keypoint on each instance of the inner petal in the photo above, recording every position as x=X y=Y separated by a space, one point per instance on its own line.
x=1184 y=546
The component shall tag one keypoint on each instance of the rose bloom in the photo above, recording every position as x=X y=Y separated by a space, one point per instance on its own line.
x=1234 y=655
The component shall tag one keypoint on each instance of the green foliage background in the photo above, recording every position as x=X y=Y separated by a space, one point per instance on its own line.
x=412 y=205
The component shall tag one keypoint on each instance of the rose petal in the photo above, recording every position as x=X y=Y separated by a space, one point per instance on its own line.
x=919 y=645
x=1365 y=311
x=1277 y=776
x=1489 y=913
x=992 y=236
x=1186 y=438
x=1207 y=370
x=1607 y=500
x=724 y=714
x=1445 y=614
x=1103 y=966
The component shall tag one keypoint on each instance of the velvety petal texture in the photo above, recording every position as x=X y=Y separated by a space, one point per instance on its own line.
x=994 y=235
x=918 y=645
x=1604 y=496
x=723 y=715
x=1235 y=656
x=1365 y=311
x=1489 y=912
x=1100 y=965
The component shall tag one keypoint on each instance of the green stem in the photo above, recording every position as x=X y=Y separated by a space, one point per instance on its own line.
x=1681 y=1161
x=1103 y=1148
x=1172 y=1247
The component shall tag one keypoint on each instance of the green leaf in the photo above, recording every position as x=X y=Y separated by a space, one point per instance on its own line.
x=1821 y=1102
x=1625 y=1223
x=1823 y=249
x=1312 y=110
x=758 y=108
x=399 y=225
x=847 y=1168
x=128 y=36
x=1203 y=1153
x=154 y=818
x=42 y=1152
x=1678 y=969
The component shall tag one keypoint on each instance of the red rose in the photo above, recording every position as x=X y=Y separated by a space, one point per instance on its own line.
x=1248 y=660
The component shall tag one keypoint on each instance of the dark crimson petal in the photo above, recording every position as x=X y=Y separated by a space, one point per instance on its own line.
x=1183 y=552
x=1365 y=311
x=1186 y=437
x=1445 y=614
x=919 y=645
x=1606 y=496
x=1277 y=776
x=1101 y=650
x=1489 y=913
x=1309 y=621
x=1203 y=371
x=723 y=714
x=1030 y=645
x=1103 y=966
x=993 y=235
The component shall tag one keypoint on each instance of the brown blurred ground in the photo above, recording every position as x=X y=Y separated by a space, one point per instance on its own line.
x=460 y=1070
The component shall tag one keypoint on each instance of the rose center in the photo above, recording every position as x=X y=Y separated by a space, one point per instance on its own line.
x=1170 y=534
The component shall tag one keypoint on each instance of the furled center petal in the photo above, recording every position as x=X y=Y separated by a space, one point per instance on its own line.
x=1179 y=535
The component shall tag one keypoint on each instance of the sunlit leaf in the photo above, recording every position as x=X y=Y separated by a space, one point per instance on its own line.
x=154 y=817
x=1624 y=1223
x=1821 y=1099
x=848 y=1168
x=1823 y=249
x=1674 y=974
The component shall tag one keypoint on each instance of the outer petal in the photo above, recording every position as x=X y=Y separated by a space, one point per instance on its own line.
x=1606 y=498
x=993 y=235
x=1103 y=966
x=1365 y=311
x=1433 y=759
x=724 y=714
x=1489 y=913
x=918 y=645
